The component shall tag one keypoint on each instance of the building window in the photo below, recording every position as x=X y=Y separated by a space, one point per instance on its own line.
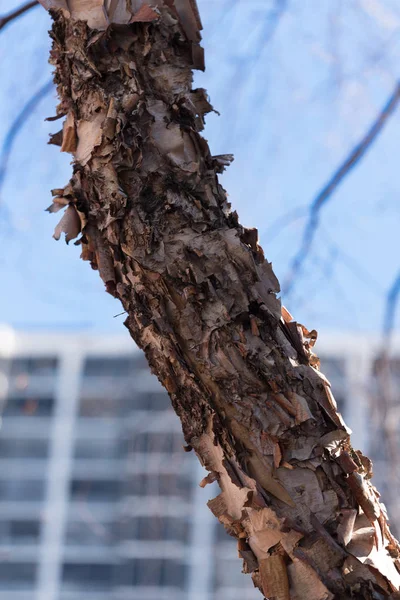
x=228 y=574
x=118 y=403
x=95 y=491
x=25 y=530
x=19 y=575
x=98 y=449
x=89 y=531
x=161 y=484
x=153 y=572
x=19 y=532
x=99 y=407
x=29 y=407
x=164 y=442
x=86 y=577
x=23 y=448
x=155 y=528
x=151 y=401
x=24 y=490
x=33 y=366
x=115 y=366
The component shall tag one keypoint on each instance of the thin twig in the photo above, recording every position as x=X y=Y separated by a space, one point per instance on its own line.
x=17 y=124
x=386 y=411
x=390 y=309
x=244 y=65
x=354 y=266
x=288 y=218
x=327 y=191
x=17 y=13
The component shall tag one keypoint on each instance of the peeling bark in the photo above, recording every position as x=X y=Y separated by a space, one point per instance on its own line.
x=202 y=303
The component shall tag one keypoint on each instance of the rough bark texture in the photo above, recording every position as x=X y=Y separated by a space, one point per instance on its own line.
x=202 y=303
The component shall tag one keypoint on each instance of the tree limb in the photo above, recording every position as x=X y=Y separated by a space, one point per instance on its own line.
x=202 y=303
x=329 y=189
x=385 y=409
x=17 y=13
x=390 y=309
x=16 y=126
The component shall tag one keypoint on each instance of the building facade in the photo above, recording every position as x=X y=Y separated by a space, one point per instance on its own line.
x=97 y=497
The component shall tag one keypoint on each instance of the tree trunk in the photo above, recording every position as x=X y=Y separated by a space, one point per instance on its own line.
x=202 y=303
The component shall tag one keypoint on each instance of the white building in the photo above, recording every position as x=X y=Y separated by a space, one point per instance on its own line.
x=97 y=498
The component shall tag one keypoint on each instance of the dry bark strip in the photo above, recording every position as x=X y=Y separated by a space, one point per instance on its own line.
x=202 y=303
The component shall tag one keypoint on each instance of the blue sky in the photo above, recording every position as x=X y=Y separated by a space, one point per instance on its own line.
x=295 y=94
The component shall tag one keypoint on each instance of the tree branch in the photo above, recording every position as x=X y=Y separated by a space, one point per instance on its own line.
x=391 y=306
x=16 y=126
x=201 y=302
x=385 y=415
x=17 y=13
x=329 y=189
x=280 y=223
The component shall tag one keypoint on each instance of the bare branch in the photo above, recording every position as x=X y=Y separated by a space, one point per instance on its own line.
x=385 y=403
x=328 y=190
x=288 y=218
x=390 y=309
x=17 y=124
x=356 y=268
x=17 y=13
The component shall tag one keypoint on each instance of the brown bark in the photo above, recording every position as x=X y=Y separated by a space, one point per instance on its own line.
x=202 y=303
